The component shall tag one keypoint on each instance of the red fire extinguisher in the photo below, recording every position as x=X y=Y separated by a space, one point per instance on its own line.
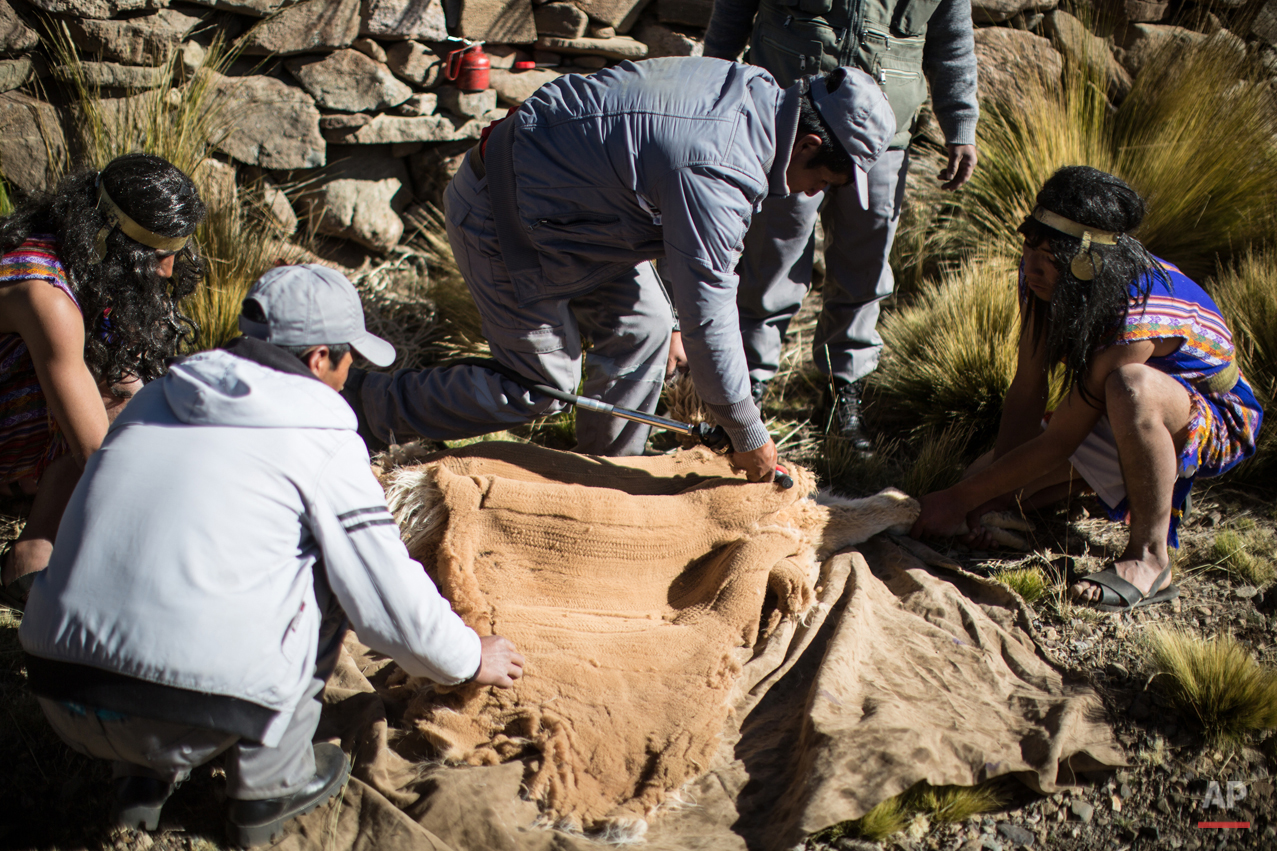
x=469 y=67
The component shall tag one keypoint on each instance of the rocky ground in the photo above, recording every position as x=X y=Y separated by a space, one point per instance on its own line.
x=1157 y=801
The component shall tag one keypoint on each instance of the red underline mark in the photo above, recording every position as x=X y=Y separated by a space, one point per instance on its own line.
x=1242 y=824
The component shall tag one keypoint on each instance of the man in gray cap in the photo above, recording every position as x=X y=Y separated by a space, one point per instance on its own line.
x=210 y=557
x=554 y=218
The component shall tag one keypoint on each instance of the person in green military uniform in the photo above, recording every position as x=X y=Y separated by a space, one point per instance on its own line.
x=902 y=44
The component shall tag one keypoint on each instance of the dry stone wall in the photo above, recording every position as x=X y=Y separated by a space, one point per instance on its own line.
x=348 y=100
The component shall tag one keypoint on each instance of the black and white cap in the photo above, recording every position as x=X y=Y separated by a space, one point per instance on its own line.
x=311 y=305
x=858 y=112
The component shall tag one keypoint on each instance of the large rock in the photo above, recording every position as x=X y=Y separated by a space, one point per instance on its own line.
x=113 y=75
x=663 y=41
x=996 y=11
x=508 y=21
x=148 y=40
x=276 y=125
x=561 y=19
x=348 y=81
x=16 y=72
x=311 y=26
x=514 y=87
x=1264 y=26
x=15 y=35
x=361 y=198
x=95 y=8
x=398 y=19
x=277 y=211
x=415 y=63
x=216 y=182
x=617 y=47
x=1079 y=45
x=620 y=14
x=1010 y=58
x=692 y=13
x=397 y=130
x=1145 y=41
x=32 y=144
x=1145 y=11
x=256 y=8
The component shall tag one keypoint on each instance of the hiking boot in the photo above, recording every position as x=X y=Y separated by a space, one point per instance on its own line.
x=845 y=418
x=138 y=801
x=250 y=823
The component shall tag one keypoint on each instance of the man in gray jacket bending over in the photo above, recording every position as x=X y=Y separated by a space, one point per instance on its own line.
x=901 y=43
x=209 y=558
x=554 y=216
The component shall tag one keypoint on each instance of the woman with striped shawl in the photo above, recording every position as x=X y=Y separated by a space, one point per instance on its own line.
x=91 y=281
x=1155 y=398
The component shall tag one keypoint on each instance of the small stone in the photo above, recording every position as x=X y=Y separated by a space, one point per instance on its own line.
x=414 y=62
x=1117 y=670
x=472 y=104
x=396 y=19
x=1204 y=611
x=1049 y=808
x=422 y=103
x=602 y=31
x=1016 y=835
x=1245 y=592
x=1115 y=803
x=1051 y=634
x=561 y=19
x=1124 y=790
x=371 y=49
x=1163 y=807
x=1081 y=810
x=619 y=47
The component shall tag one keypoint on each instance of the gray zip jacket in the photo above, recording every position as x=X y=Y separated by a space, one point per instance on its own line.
x=185 y=557
x=664 y=158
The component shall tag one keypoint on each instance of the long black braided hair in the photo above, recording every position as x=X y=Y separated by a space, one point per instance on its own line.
x=132 y=315
x=1083 y=317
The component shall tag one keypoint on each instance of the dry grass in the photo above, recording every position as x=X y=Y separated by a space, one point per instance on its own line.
x=941 y=804
x=1247 y=555
x=1186 y=105
x=951 y=354
x=1247 y=294
x=1027 y=581
x=1215 y=682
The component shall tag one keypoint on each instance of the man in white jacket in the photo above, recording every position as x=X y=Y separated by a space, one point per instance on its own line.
x=208 y=562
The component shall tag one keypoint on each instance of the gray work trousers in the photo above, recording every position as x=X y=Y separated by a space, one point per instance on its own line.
x=776 y=266
x=169 y=751
x=627 y=321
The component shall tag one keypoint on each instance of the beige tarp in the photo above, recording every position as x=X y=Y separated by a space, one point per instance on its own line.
x=899 y=672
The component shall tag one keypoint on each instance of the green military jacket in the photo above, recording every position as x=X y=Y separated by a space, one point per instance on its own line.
x=886 y=38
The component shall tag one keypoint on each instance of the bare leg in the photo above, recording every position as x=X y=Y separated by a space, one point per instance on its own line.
x=1149 y=412
x=34 y=547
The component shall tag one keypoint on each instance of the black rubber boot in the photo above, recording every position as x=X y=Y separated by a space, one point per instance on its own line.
x=138 y=801
x=846 y=419
x=250 y=823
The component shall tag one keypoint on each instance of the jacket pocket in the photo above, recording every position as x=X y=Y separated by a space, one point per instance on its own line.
x=912 y=16
x=585 y=226
x=791 y=44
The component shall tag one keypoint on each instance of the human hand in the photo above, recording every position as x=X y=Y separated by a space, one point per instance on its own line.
x=501 y=663
x=962 y=160
x=760 y=464
x=677 y=361
x=942 y=516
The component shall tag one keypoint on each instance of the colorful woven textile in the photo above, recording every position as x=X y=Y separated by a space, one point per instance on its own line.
x=29 y=435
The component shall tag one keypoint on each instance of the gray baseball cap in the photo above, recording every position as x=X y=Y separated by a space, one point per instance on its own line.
x=858 y=112
x=310 y=305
